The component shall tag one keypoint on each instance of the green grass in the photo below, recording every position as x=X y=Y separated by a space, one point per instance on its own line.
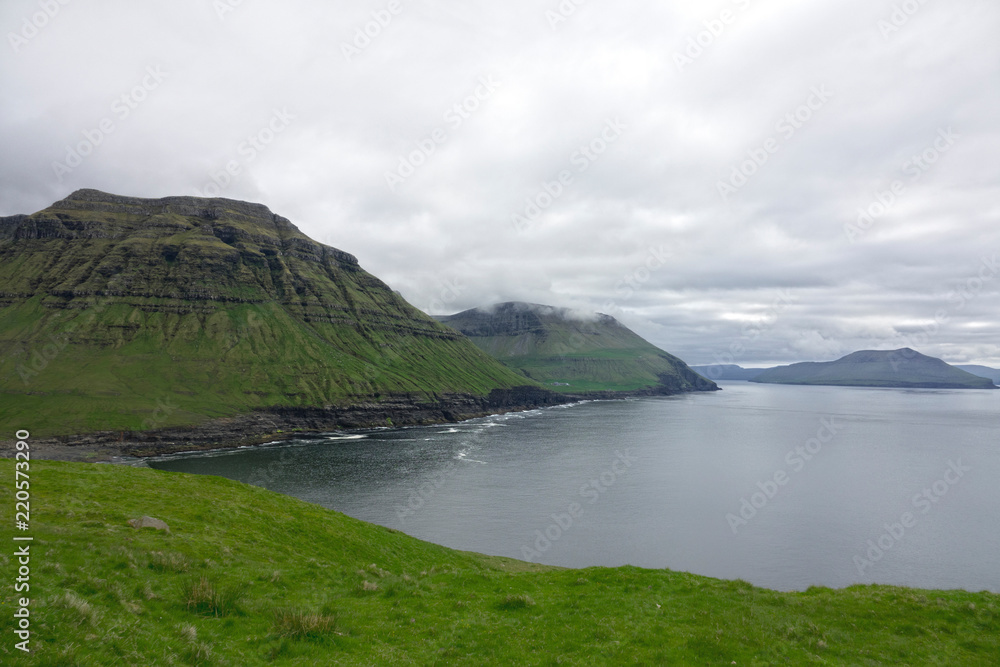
x=249 y=577
x=573 y=355
x=165 y=320
x=597 y=370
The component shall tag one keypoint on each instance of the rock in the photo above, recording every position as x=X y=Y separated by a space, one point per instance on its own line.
x=149 y=522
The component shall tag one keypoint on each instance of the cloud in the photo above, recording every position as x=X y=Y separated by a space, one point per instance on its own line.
x=640 y=231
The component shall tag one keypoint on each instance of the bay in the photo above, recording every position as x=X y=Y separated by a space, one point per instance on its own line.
x=785 y=487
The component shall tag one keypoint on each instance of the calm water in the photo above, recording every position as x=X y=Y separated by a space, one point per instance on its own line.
x=661 y=483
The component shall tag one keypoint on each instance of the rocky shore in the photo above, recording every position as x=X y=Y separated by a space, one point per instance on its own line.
x=281 y=423
x=278 y=423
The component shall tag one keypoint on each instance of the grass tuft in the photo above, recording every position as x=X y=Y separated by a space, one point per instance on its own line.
x=205 y=597
x=85 y=613
x=168 y=562
x=513 y=602
x=298 y=624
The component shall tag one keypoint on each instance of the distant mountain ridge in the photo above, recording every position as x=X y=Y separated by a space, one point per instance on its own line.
x=572 y=351
x=877 y=368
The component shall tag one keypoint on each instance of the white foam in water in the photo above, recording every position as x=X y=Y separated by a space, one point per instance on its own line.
x=464 y=456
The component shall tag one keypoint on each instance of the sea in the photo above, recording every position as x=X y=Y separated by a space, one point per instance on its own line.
x=784 y=487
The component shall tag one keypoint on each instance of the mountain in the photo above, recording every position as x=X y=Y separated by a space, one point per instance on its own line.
x=727 y=372
x=982 y=371
x=877 y=368
x=575 y=352
x=127 y=314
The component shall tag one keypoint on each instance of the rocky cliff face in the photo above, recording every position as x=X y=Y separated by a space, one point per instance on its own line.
x=575 y=353
x=517 y=318
x=120 y=313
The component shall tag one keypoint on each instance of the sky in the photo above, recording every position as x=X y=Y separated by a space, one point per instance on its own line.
x=740 y=181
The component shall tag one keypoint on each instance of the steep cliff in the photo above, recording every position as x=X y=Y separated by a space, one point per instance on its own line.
x=119 y=313
x=574 y=352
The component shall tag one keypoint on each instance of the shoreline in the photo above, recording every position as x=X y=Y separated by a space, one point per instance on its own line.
x=280 y=423
x=285 y=423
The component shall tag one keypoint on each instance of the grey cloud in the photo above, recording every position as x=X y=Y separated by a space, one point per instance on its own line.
x=445 y=238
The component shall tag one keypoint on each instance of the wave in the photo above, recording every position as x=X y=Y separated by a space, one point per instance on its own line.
x=464 y=456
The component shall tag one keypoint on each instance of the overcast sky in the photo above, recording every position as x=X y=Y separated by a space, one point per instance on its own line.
x=695 y=169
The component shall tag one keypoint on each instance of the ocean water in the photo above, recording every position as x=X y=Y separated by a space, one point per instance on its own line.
x=785 y=487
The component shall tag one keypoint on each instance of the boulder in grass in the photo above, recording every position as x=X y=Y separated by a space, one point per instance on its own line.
x=149 y=522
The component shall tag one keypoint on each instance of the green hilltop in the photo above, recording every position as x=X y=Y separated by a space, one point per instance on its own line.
x=119 y=313
x=575 y=352
x=904 y=368
x=249 y=577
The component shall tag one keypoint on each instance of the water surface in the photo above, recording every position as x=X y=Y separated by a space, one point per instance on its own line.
x=660 y=483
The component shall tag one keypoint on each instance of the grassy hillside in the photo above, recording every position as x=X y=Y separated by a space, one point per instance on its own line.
x=573 y=352
x=877 y=368
x=128 y=314
x=249 y=577
x=982 y=371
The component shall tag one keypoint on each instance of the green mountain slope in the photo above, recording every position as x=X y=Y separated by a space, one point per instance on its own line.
x=572 y=352
x=877 y=368
x=982 y=371
x=119 y=313
x=249 y=577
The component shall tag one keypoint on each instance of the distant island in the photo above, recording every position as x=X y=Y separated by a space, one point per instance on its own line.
x=575 y=352
x=905 y=368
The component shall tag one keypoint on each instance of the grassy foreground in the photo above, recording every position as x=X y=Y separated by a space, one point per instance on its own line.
x=249 y=577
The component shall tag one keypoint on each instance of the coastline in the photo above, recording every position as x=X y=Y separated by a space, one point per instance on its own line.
x=279 y=423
